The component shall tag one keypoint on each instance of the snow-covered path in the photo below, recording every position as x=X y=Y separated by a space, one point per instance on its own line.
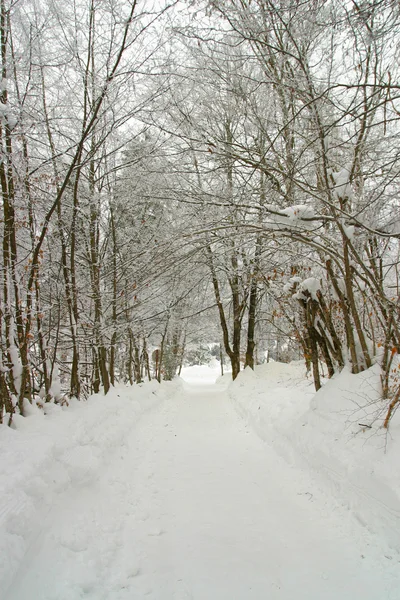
x=193 y=505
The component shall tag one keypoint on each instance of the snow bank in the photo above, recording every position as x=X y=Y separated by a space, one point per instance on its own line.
x=51 y=450
x=337 y=432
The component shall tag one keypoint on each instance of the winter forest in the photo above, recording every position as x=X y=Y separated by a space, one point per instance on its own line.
x=174 y=175
x=199 y=299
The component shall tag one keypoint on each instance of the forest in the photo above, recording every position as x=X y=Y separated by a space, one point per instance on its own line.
x=176 y=175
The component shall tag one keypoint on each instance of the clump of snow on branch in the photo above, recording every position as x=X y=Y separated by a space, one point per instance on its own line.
x=55 y=390
x=349 y=231
x=342 y=187
x=296 y=216
x=291 y=283
x=309 y=287
x=298 y=212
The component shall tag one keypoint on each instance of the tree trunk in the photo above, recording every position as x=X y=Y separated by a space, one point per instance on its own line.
x=249 y=362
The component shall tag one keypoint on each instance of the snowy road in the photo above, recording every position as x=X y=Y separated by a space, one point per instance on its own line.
x=192 y=505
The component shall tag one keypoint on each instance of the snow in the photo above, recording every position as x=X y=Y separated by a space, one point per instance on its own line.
x=203 y=374
x=15 y=361
x=342 y=187
x=349 y=231
x=299 y=215
x=55 y=390
x=310 y=285
x=11 y=120
x=336 y=434
x=54 y=451
x=291 y=283
x=298 y=212
x=180 y=491
x=342 y=287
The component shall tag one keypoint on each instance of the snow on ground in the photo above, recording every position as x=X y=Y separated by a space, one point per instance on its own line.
x=185 y=503
x=203 y=374
x=337 y=433
x=50 y=453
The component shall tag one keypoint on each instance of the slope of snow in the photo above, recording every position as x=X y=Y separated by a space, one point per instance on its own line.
x=337 y=432
x=47 y=455
x=191 y=505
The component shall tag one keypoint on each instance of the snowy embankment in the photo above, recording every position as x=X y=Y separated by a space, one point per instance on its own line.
x=55 y=449
x=337 y=433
